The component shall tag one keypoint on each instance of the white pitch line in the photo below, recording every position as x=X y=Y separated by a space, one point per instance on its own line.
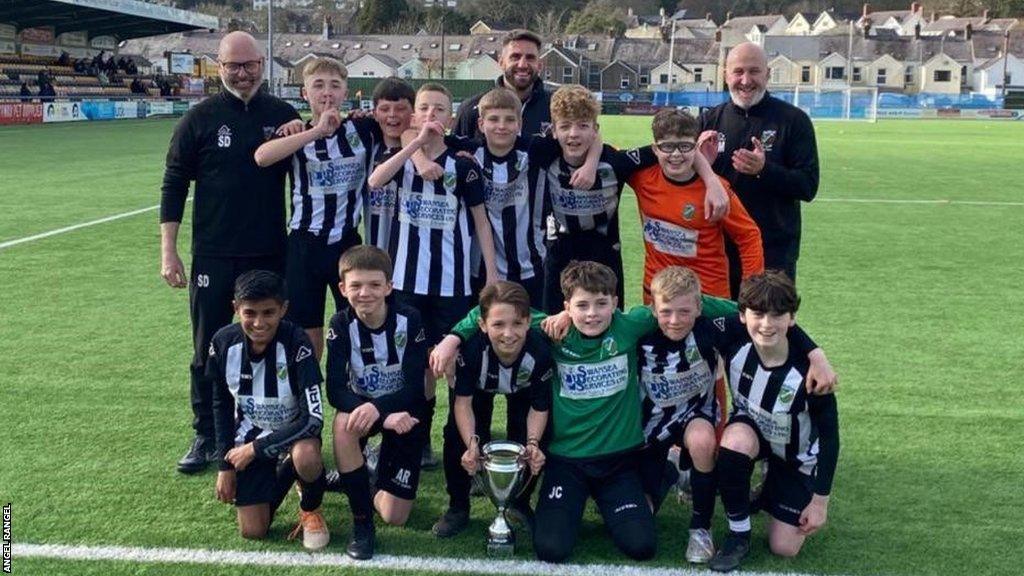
x=74 y=227
x=381 y=562
x=930 y=201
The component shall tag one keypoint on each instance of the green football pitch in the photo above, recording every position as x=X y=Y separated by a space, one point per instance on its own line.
x=911 y=279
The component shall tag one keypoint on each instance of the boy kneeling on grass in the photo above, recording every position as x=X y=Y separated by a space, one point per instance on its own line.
x=506 y=357
x=267 y=411
x=774 y=418
x=376 y=358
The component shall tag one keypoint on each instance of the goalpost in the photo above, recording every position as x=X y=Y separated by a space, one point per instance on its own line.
x=839 y=103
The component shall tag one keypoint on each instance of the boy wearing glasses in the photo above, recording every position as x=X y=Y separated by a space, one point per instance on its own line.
x=671 y=201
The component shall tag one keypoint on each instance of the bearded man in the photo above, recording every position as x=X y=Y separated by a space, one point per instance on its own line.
x=521 y=65
x=766 y=149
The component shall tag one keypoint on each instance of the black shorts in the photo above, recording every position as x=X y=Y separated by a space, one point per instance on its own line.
x=398 y=469
x=312 y=268
x=257 y=483
x=439 y=313
x=614 y=484
x=652 y=466
x=787 y=491
x=584 y=246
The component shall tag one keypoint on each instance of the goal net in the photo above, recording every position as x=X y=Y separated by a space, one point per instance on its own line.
x=841 y=103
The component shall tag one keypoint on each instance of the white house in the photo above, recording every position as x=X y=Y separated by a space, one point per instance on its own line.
x=372 y=66
x=942 y=74
x=798 y=26
x=885 y=72
x=412 y=68
x=988 y=76
x=481 y=67
x=831 y=71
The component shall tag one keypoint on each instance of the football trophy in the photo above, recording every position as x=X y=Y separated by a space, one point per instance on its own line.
x=502 y=476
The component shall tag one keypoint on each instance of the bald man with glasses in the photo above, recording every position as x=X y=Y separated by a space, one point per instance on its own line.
x=238 y=212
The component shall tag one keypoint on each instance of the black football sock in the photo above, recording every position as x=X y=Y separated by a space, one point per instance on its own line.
x=313 y=492
x=357 y=486
x=703 y=488
x=733 y=470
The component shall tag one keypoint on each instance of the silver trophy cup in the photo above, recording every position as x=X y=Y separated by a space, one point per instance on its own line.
x=502 y=476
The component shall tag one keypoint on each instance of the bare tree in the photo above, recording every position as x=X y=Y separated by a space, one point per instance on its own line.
x=550 y=23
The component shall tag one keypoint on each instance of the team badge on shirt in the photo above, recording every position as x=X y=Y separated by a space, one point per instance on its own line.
x=721 y=142
x=400 y=339
x=688 y=211
x=610 y=346
x=768 y=139
x=353 y=140
x=268 y=132
x=282 y=371
x=224 y=137
x=449 y=179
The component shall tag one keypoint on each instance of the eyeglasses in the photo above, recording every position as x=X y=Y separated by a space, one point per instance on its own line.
x=670 y=147
x=251 y=67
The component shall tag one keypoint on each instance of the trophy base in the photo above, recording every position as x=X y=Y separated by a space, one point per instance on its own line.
x=500 y=549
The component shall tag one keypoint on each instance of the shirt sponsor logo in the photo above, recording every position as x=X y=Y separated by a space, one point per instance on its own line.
x=429 y=210
x=597 y=380
x=583 y=202
x=501 y=195
x=269 y=413
x=775 y=427
x=381 y=201
x=378 y=380
x=670 y=239
x=224 y=137
x=679 y=387
x=334 y=176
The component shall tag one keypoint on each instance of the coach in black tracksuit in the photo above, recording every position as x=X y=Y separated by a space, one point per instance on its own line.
x=238 y=219
x=767 y=151
x=521 y=67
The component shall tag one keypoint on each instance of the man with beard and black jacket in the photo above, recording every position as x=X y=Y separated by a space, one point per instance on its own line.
x=521 y=65
x=238 y=219
x=766 y=149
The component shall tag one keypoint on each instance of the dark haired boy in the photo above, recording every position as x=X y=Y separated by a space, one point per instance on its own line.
x=393 y=100
x=506 y=357
x=774 y=418
x=267 y=405
x=376 y=358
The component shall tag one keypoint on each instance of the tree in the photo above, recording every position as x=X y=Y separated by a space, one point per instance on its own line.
x=377 y=15
x=598 y=16
x=550 y=23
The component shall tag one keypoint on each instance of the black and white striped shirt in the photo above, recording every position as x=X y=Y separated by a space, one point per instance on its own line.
x=383 y=366
x=479 y=369
x=775 y=399
x=677 y=379
x=271 y=399
x=379 y=207
x=594 y=209
x=329 y=180
x=432 y=230
x=515 y=209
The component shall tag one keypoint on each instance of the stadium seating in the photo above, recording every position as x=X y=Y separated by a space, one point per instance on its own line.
x=66 y=82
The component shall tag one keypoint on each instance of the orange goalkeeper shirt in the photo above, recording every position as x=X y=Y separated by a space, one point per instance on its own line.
x=677 y=234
